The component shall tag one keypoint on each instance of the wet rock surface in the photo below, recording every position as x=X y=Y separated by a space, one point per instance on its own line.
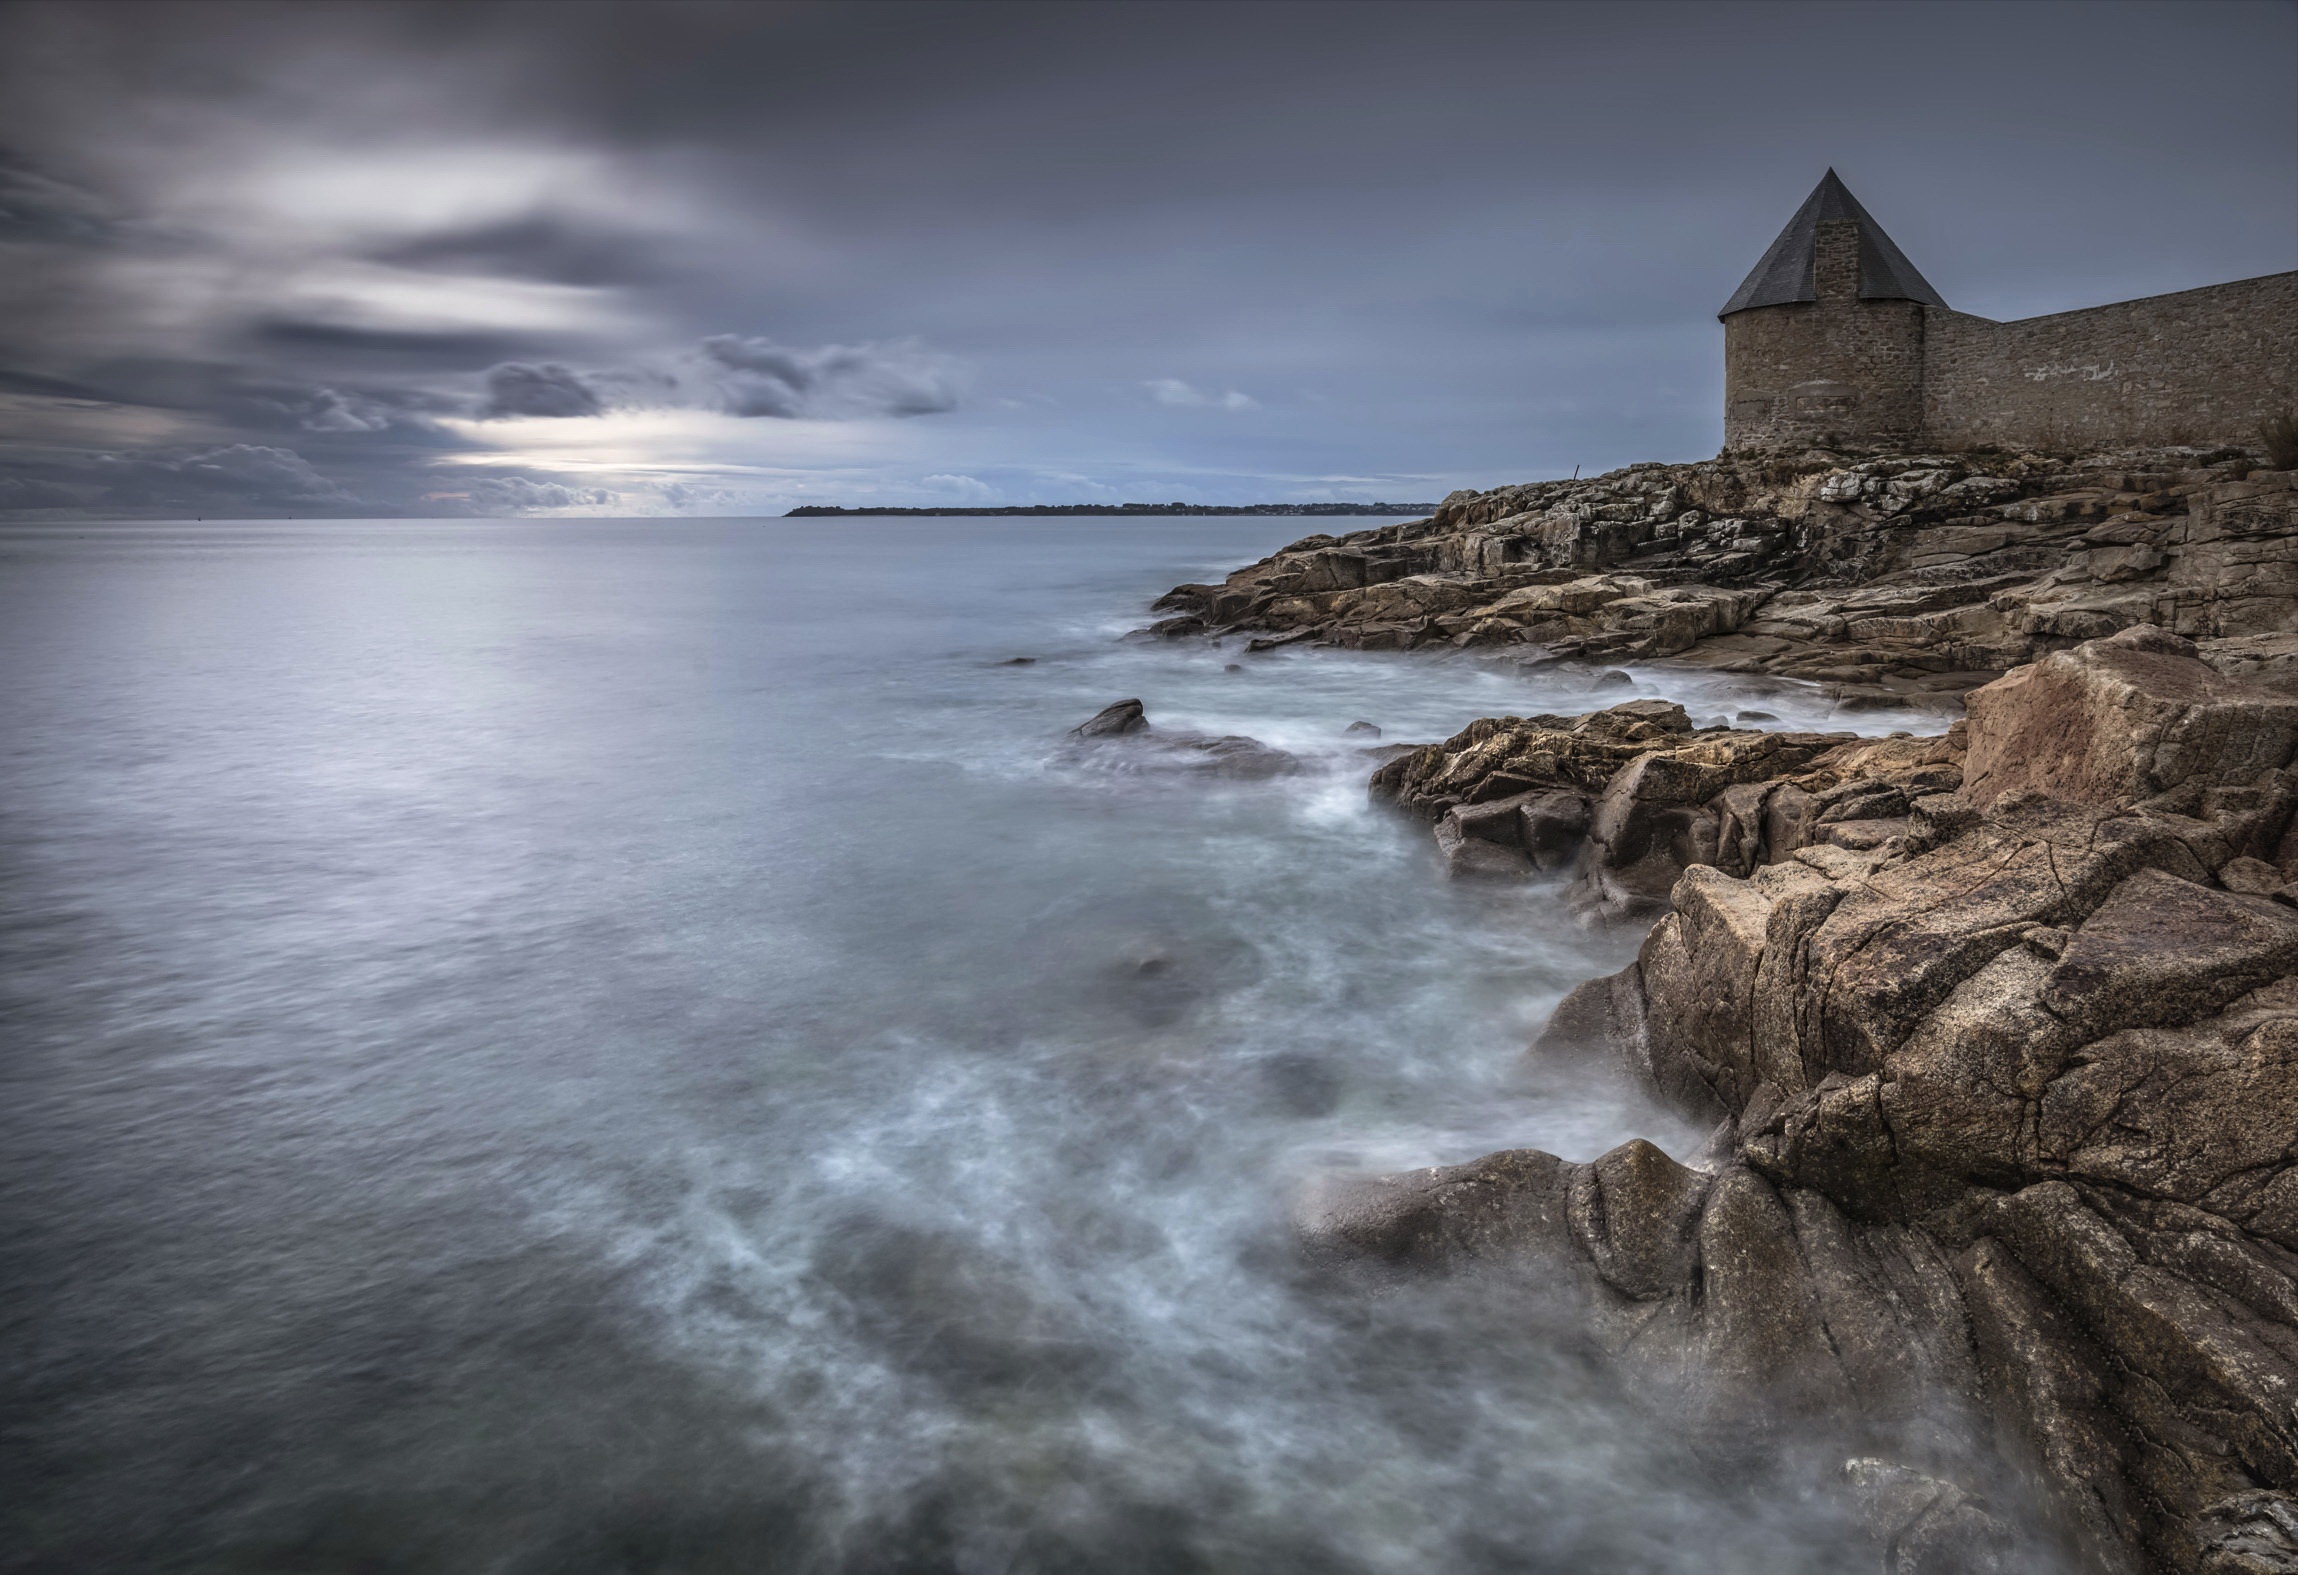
x=1892 y=578
x=1113 y=721
x=1629 y=798
x=1999 y=1029
x=1119 y=737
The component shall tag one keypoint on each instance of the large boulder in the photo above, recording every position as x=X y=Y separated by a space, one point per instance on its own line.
x=2123 y=719
x=2269 y=660
x=1667 y=811
x=1619 y=793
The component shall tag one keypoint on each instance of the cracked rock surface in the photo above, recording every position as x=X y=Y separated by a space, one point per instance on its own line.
x=2004 y=1183
x=1890 y=578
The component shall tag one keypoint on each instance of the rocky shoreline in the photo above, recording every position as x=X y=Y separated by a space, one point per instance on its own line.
x=1998 y=1027
x=1893 y=579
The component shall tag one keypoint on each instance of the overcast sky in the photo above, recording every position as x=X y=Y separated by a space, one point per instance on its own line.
x=722 y=259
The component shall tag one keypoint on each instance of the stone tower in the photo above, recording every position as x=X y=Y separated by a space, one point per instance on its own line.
x=1825 y=337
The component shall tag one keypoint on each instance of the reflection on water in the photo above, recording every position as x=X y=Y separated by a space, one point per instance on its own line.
x=592 y=1046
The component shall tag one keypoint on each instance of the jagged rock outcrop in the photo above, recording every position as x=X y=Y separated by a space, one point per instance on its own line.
x=1892 y=578
x=2006 y=1175
x=1630 y=798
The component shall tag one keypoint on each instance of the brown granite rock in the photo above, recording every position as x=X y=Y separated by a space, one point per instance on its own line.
x=2123 y=719
x=2009 y=1120
x=1896 y=579
x=1666 y=798
x=1501 y=757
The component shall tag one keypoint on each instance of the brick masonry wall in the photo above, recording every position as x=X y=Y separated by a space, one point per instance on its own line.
x=2201 y=366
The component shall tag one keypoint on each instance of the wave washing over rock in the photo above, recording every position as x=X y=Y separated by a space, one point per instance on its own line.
x=1998 y=1028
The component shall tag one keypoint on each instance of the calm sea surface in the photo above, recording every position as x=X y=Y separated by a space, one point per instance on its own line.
x=623 y=1046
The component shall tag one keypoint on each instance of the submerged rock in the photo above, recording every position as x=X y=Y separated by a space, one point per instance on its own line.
x=1928 y=1526
x=1126 y=725
x=1230 y=756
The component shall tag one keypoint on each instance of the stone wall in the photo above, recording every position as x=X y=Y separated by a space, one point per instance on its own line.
x=2201 y=366
x=1834 y=367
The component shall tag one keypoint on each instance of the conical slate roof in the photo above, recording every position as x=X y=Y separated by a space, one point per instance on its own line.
x=1785 y=274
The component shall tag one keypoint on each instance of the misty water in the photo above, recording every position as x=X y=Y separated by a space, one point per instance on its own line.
x=589 y=1046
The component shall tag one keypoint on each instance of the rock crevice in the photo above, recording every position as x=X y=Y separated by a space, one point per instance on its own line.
x=2006 y=1163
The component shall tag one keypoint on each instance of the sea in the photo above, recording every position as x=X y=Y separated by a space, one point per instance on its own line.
x=590 y=1047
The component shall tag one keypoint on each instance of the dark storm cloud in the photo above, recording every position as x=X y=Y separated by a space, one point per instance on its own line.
x=200 y=385
x=15 y=382
x=440 y=349
x=231 y=394
x=517 y=389
x=761 y=378
x=1269 y=250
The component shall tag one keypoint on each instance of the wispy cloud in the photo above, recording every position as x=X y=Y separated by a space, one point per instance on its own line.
x=1173 y=391
x=237 y=474
x=971 y=488
x=36 y=206
x=519 y=495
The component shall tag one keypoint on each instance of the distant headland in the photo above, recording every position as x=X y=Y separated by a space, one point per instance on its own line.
x=1103 y=510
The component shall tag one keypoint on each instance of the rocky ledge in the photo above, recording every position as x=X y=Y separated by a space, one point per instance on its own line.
x=2000 y=1033
x=1632 y=797
x=1892 y=578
